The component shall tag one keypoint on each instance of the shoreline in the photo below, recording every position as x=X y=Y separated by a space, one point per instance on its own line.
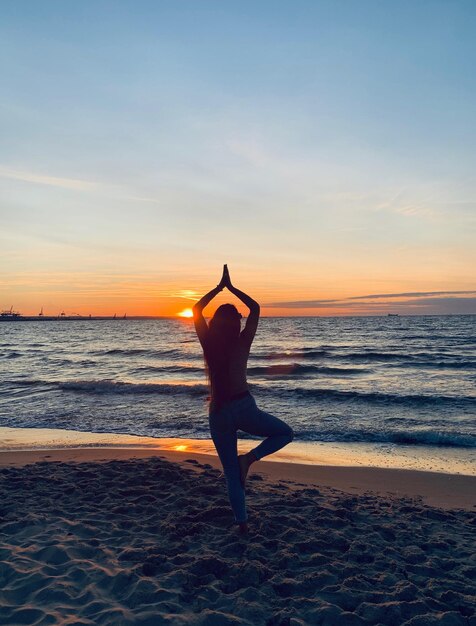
x=295 y=468
x=443 y=459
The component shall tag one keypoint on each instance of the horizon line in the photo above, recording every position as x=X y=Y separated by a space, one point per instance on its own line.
x=69 y=318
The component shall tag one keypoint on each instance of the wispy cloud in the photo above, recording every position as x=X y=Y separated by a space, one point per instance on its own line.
x=185 y=294
x=51 y=181
x=418 y=296
x=404 y=202
x=391 y=202
x=74 y=184
x=413 y=294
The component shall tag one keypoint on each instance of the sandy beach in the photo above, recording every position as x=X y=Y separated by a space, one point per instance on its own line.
x=138 y=536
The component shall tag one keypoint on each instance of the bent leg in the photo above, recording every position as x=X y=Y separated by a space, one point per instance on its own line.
x=257 y=422
x=226 y=446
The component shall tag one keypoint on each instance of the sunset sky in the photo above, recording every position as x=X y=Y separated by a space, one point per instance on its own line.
x=325 y=150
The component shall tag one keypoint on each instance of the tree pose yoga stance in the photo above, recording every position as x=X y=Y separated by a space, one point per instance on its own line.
x=232 y=407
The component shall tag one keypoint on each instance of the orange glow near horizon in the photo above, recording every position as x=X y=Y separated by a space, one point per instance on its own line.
x=280 y=293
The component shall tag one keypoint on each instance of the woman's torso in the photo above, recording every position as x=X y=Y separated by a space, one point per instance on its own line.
x=228 y=375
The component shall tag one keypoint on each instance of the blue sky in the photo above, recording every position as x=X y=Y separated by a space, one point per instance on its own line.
x=324 y=149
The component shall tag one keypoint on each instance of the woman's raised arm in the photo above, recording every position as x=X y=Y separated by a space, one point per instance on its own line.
x=253 y=318
x=201 y=326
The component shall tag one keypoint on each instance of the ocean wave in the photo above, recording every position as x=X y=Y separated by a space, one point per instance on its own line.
x=296 y=369
x=170 y=369
x=303 y=353
x=12 y=355
x=138 y=352
x=434 y=439
x=415 y=400
x=451 y=365
x=111 y=386
x=57 y=361
x=417 y=359
x=115 y=387
x=105 y=386
x=374 y=355
x=402 y=437
x=436 y=360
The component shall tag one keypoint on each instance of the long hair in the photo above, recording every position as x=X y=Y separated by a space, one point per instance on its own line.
x=223 y=335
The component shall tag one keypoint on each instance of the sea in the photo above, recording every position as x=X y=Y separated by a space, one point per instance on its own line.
x=384 y=380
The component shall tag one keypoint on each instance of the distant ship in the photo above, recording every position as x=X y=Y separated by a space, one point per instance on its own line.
x=11 y=314
x=393 y=315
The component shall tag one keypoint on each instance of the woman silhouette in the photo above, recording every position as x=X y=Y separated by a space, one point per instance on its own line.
x=232 y=407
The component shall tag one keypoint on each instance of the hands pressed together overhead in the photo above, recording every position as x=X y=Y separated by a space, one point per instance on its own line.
x=252 y=319
x=225 y=279
x=226 y=282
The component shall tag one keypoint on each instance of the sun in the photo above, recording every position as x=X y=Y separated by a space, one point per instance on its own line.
x=186 y=313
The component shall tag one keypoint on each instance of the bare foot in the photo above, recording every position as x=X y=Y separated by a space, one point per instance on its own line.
x=245 y=461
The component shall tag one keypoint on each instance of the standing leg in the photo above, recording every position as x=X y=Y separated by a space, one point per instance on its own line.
x=225 y=441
